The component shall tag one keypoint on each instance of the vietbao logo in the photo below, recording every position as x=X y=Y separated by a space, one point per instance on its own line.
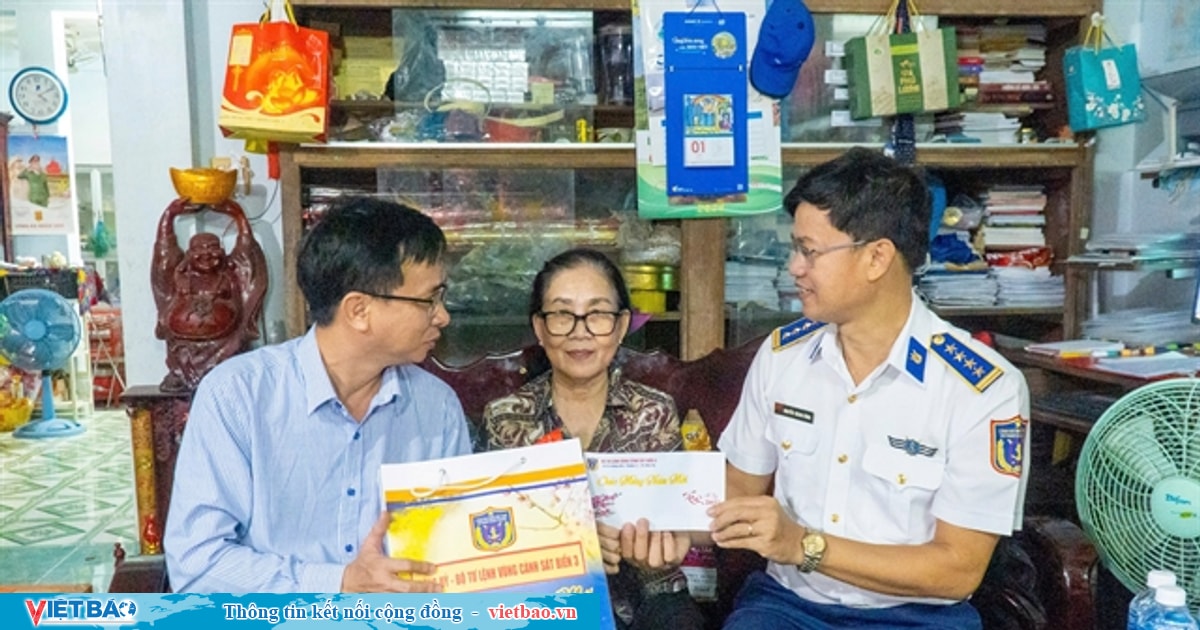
x=81 y=612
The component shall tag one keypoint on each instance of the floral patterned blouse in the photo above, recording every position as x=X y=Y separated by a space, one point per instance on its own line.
x=637 y=419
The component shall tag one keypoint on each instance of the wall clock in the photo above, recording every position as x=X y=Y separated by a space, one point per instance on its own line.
x=38 y=95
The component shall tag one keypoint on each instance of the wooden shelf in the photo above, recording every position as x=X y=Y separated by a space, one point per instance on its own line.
x=993 y=311
x=1064 y=169
x=1158 y=264
x=621 y=155
x=465 y=155
x=953 y=156
x=980 y=8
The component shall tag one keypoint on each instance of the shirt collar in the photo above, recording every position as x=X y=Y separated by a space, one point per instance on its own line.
x=913 y=338
x=916 y=330
x=318 y=389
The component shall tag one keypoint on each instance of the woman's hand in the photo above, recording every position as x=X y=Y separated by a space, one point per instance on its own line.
x=652 y=550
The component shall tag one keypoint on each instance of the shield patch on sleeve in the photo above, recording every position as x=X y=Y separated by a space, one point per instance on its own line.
x=1008 y=445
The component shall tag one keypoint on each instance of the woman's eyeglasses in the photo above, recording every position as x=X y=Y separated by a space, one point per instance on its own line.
x=563 y=323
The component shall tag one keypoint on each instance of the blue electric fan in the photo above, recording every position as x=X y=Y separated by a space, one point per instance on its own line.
x=40 y=330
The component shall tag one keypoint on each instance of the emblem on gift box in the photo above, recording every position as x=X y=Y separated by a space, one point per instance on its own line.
x=493 y=529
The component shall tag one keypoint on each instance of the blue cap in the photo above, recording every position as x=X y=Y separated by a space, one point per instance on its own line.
x=784 y=41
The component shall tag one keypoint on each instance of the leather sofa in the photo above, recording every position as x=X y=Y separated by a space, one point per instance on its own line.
x=1042 y=577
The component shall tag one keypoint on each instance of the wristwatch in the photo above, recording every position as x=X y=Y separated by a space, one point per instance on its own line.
x=814 y=551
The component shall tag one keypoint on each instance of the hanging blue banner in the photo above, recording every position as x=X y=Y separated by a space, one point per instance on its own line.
x=189 y=610
x=705 y=87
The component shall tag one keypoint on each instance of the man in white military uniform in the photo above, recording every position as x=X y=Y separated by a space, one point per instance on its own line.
x=894 y=439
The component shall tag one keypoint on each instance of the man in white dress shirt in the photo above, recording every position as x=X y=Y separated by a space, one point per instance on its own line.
x=894 y=440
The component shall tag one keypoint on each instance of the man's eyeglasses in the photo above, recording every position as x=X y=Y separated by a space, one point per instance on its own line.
x=432 y=302
x=810 y=255
x=563 y=323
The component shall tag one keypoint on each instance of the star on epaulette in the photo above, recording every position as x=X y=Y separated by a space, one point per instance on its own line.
x=978 y=372
x=793 y=333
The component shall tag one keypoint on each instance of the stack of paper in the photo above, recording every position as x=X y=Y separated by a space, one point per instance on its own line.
x=1144 y=326
x=958 y=289
x=1021 y=286
x=1151 y=366
x=746 y=282
x=1073 y=348
x=1141 y=247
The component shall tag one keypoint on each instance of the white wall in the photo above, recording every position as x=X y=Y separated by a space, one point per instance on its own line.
x=165 y=69
x=149 y=105
x=1124 y=202
x=164 y=62
x=36 y=48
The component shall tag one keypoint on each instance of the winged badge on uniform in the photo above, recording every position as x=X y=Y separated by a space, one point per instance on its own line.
x=911 y=446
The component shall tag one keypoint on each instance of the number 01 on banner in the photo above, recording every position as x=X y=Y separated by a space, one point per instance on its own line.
x=701 y=152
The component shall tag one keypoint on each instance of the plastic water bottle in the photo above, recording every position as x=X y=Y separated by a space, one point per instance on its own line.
x=1170 y=611
x=1143 y=602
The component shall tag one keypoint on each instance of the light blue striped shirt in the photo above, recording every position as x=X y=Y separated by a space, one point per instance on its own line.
x=276 y=485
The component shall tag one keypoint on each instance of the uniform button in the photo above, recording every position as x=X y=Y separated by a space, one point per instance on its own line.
x=843 y=458
x=786 y=444
x=834 y=518
x=901 y=479
x=357 y=435
x=852 y=398
x=350 y=492
x=349 y=548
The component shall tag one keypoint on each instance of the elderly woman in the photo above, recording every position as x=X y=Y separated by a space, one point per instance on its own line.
x=580 y=313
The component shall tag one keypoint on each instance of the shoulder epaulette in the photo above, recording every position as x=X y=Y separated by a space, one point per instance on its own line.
x=793 y=333
x=978 y=372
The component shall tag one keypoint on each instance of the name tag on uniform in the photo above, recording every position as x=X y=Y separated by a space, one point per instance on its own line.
x=795 y=413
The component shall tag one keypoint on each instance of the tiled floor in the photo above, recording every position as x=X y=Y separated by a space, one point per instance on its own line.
x=64 y=502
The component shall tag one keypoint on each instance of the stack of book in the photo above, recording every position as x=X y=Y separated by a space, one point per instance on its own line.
x=997 y=66
x=1015 y=246
x=1014 y=217
x=985 y=127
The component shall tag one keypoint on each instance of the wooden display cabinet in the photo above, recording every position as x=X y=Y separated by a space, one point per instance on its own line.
x=1065 y=169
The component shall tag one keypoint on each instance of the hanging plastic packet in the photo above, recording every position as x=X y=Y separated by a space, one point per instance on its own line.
x=700 y=563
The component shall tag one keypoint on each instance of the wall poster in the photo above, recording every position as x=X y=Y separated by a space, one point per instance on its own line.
x=39 y=180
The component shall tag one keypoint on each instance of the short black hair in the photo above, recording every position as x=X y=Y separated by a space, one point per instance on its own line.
x=360 y=244
x=571 y=259
x=870 y=196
